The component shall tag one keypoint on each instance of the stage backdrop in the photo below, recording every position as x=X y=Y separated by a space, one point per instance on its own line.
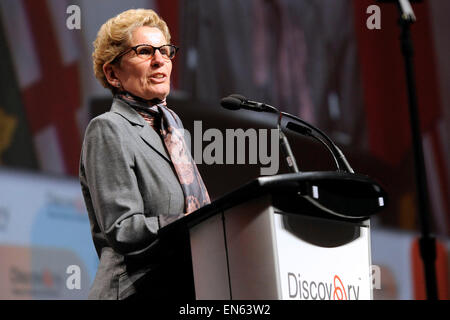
x=45 y=243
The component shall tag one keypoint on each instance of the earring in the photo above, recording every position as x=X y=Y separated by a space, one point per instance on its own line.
x=118 y=85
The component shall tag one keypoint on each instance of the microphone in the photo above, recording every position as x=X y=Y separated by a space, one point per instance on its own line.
x=231 y=103
x=237 y=101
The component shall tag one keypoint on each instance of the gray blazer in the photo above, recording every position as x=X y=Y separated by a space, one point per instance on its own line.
x=131 y=190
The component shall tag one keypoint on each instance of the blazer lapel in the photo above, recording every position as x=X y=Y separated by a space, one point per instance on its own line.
x=147 y=133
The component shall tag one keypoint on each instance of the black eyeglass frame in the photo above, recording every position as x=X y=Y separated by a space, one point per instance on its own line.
x=120 y=55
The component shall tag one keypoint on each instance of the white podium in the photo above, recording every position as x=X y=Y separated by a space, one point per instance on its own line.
x=302 y=236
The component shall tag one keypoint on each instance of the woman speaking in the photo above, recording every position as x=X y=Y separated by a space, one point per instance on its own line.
x=136 y=172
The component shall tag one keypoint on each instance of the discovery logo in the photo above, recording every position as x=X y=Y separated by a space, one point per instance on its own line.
x=42 y=283
x=334 y=290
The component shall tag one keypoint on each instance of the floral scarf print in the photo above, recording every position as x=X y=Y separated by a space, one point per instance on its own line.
x=164 y=121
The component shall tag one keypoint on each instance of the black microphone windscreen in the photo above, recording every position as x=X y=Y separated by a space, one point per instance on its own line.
x=230 y=103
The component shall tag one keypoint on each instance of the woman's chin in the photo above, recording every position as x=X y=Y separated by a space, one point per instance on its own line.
x=158 y=93
x=150 y=95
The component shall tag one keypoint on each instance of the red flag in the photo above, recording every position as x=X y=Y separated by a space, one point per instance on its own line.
x=386 y=102
x=48 y=80
x=384 y=82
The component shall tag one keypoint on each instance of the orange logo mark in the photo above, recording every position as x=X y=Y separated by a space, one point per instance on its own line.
x=339 y=289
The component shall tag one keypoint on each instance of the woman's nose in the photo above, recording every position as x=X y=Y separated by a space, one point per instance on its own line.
x=157 y=59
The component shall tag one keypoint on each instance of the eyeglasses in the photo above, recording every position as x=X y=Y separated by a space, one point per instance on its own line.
x=147 y=51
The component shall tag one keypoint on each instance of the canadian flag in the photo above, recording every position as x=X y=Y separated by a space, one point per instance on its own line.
x=45 y=58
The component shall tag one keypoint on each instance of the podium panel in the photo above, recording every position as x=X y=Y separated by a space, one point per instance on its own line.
x=255 y=251
x=322 y=260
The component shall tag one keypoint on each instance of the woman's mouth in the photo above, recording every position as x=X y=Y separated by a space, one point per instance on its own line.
x=158 y=77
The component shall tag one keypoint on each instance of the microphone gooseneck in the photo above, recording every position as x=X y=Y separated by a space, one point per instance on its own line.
x=237 y=101
x=338 y=155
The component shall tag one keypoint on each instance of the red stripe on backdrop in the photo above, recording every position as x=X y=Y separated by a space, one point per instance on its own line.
x=441 y=168
x=441 y=267
x=384 y=83
x=169 y=11
x=54 y=99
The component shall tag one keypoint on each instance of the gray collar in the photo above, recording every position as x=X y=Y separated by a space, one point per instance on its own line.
x=127 y=112
x=147 y=133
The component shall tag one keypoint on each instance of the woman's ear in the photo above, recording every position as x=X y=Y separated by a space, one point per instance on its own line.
x=110 y=74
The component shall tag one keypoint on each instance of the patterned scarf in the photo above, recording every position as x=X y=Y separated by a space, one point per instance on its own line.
x=164 y=121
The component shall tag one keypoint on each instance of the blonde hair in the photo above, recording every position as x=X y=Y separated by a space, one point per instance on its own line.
x=115 y=35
